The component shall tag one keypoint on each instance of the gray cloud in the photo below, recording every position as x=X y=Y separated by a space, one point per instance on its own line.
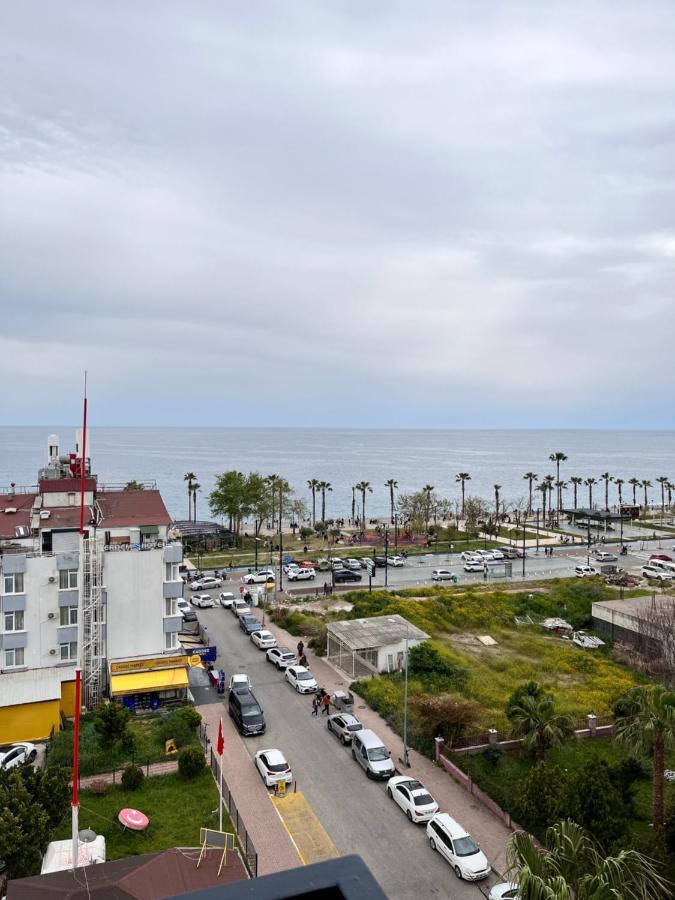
x=446 y=214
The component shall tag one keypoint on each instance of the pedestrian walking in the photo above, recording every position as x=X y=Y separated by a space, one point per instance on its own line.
x=315 y=706
x=325 y=704
x=484 y=571
x=301 y=648
x=303 y=661
x=325 y=588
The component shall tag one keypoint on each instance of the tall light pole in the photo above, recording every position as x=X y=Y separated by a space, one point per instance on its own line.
x=405 y=760
x=386 y=556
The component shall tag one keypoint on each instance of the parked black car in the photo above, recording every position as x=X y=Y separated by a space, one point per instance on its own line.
x=343 y=575
x=380 y=562
x=246 y=712
x=249 y=624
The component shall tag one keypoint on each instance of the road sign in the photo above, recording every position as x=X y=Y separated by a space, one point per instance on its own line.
x=241 y=589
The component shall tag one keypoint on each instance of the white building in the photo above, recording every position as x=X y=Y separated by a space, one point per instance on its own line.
x=66 y=600
x=363 y=647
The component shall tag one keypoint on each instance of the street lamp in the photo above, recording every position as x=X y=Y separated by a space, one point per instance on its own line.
x=405 y=761
x=386 y=556
x=257 y=541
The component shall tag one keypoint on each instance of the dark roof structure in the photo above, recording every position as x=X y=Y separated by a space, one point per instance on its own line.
x=129 y=508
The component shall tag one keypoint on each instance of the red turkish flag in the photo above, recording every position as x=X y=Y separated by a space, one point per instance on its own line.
x=220 y=746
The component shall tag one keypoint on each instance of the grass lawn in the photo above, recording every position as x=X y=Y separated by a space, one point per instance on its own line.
x=147 y=745
x=176 y=807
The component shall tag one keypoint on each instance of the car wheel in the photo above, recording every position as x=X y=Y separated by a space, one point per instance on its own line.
x=278 y=666
x=353 y=753
x=389 y=794
x=32 y=756
x=297 y=688
x=409 y=815
x=368 y=774
x=458 y=872
x=432 y=843
x=343 y=740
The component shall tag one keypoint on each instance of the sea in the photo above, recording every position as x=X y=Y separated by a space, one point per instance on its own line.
x=343 y=457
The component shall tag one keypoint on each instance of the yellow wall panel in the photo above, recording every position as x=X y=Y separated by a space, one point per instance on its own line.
x=68 y=699
x=28 y=722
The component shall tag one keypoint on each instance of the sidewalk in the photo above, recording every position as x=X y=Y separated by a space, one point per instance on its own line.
x=273 y=844
x=159 y=768
x=481 y=824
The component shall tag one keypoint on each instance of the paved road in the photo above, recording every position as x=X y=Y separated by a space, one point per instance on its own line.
x=355 y=811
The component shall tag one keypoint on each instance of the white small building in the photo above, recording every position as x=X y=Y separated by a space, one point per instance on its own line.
x=362 y=647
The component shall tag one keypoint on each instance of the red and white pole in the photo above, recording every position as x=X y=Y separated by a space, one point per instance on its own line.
x=84 y=455
x=75 y=802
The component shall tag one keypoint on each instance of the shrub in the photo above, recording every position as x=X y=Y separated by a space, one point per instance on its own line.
x=529 y=689
x=132 y=777
x=99 y=787
x=492 y=755
x=594 y=803
x=110 y=721
x=541 y=799
x=447 y=715
x=179 y=725
x=190 y=716
x=191 y=762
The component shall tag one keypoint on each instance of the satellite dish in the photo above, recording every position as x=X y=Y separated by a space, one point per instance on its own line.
x=87 y=836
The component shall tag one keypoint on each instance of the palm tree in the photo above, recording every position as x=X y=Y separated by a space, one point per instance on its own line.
x=561 y=486
x=635 y=484
x=392 y=484
x=497 y=488
x=354 y=503
x=530 y=477
x=462 y=478
x=194 y=488
x=272 y=481
x=313 y=485
x=548 y=481
x=606 y=477
x=663 y=481
x=670 y=488
x=577 y=482
x=646 y=484
x=647 y=725
x=619 y=482
x=363 y=486
x=589 y=482
x=428 y=489
x=323 y=487
x=543 y=489
x=189 y=477
x=571 y=865
x=557 y=458
x=535 y=720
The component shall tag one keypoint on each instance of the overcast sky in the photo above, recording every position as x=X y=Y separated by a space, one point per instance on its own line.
x=338 y=213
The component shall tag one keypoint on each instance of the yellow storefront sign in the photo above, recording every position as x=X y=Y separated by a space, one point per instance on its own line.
x=144 y=665
x=140 y=682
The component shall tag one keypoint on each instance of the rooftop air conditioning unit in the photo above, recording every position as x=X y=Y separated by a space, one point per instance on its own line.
x=10 y=509
x=45 y=513
x=52 y=579
x=52 y=652
x=51 y=615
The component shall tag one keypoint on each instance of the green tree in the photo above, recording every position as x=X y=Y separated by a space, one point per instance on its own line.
x=110 y=721
x=462 y=478
x=535 y=720
x=646 y=483
x=635 y=484
x=571 y=867
x=619 y=482
x=133 y=486
x=647 y=725
x=606 y=477
x=527 y=689
x=541 y=796
x=576 y=483
x=558 y=458
x=323 y=487
x=195 y=487
x=594 y=802
x=24 y=825
x=663 y=481
x=189 y=477
x=497 y=488
x=446 y=714
x=530 y=477
x=428 y=491
x=364 y=487
x=392 y=484
x=543 y=490
x=313 y=485
x=589 y=482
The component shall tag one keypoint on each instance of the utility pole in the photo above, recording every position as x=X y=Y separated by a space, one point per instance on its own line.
x=281 y=541
x=537 y=531
x=523 y=547
x=405 y=760
x=386 y=556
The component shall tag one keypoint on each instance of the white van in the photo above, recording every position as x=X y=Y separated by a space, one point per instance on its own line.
x=371 y=754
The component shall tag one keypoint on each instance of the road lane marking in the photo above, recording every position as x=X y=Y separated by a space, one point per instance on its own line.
x=304 y=828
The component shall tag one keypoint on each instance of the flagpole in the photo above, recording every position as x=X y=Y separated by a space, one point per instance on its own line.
x=219 y=749
x=220 y=826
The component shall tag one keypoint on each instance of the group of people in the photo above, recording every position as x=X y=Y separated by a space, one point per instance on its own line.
x=320 y=700
x=548 y=551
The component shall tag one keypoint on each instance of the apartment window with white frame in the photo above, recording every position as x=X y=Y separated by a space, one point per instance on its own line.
x=14 y=621
x=14 y=658
x=13 y=583
x=68 y=615
x=171 y=573
x=68 y=651
x=67 y=579
x=170 y=640
x=170 y=606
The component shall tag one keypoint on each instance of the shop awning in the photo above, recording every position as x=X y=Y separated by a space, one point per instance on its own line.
x=141 y=682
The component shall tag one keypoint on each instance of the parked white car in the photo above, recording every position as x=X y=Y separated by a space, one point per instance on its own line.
x=206 y=583
x=475 y=565
x=395 y=561
x=485 y=554
x=240 y=683
x=604 y=557
x=351 y=564
x=301 y=575
x=444 y=575
x=657 y=573
x=585 y=571
x=457 y=847
x=203 y=601
x=261 y=577
x=226 y=599
x=413 y=798
x=507 y=890
x=17 y=755
x=280 y=657
x=263 y=640
x=273 y=767
x=497 y=554
x=301 y=679
x=468 y=555
x=183 y=606
x=240 y=608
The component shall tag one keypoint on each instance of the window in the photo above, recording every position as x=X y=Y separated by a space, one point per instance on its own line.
x=170 y=640
x=14 y=657
x=69 y=650
x=171 y=572
x=14 y=583
x=68 y=615
x=67 y=579
x=171 y=607
x=14 y=621
x=71 y=499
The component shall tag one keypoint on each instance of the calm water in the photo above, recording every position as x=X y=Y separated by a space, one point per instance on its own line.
x=344 y=457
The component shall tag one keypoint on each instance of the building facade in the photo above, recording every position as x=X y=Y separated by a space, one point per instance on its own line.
x=68 y=600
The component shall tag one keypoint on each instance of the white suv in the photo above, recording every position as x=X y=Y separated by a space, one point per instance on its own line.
x=457 y=847
x=585 y=571
x=301 y=575
x=657 y=573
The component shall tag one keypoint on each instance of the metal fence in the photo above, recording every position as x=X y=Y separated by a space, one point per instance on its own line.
x=247 y=846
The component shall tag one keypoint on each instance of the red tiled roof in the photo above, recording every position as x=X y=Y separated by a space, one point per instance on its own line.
x=23 y=503
x=65 y=517
x=131 y=508
x=66 y=485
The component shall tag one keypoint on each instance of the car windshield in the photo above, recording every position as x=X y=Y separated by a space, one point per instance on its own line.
x=248 y=712
x=377 y=754
x=304 y=676
x=465 y=846
x=357 y=726
x=423 y=799
x=277 y=767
